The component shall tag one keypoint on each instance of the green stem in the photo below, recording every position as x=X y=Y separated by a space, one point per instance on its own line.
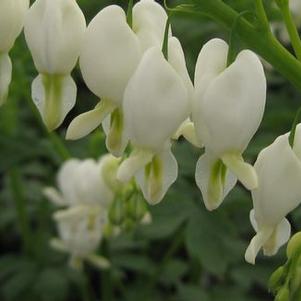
x=261 y=42
x=291 y=27
x=262 y=17
x=129 y=16
x=106 y=284
x=20 y=203
x=165 y=40
x=177 y=242
x=233 y=43
x=292 y=134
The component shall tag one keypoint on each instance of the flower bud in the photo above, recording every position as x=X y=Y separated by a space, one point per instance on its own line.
x=136 y=207
x=283 y=295
x=277 y=278
x=294 y=245
x=12 y=14
x=279 y=192
x=117 y=212
x=54 y=31
x=224 y=97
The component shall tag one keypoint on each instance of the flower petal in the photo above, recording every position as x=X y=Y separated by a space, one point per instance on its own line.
x=5 y=76
x=187 y=130
x=245 y=172
x=279 y=237
x=85 y=123
x=257 y=242
x=114 y=128
x=156 y=102
x=130 y=166
x=110 y=54
x=158 y=176
x=213 y=179
x=54 y=97
x=54 y=32
x=54 y=196
x=149 y=20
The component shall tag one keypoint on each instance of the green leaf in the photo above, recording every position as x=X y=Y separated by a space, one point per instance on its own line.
x=51 y=285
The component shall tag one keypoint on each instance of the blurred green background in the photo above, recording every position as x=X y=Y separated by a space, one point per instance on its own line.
x=186 y=254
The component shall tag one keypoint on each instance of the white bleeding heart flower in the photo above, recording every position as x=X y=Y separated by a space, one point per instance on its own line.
x=80 y=229
x=12 y=15
x=279 y=192
x=54 y=31
x=86 y=182
x=111 y=53
x=227 y=110
x=157 y=101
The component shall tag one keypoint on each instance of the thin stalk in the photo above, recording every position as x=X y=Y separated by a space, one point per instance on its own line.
x=261 y=42
x=291 y=28
x=292 y=134
x=177 y=242
x=129 y=16
x=165 y=40
x=20 y=203
x=261 y=14
x=106 y=281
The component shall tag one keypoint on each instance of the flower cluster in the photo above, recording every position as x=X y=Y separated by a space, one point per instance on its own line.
x=85 y=193
x=137 y=69
x=89 y=194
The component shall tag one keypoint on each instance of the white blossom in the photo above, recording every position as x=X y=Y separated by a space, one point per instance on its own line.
x=110 y=55
x=54 y=31
x=157 y=101
x=279 y=192
x=227 y=110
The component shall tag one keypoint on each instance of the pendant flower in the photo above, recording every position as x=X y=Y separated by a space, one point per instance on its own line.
x=111 y=53
x=54 y=31
x=227 y=110
x=157 y=101
x=279 y=192
x=12 y=15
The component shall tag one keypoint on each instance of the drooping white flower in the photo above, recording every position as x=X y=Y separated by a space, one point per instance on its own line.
x=157 y=101
x=279 y=192
x=12 y=15
x=54 y=31
x=227 y=110
x=110 y=55
x=87 y=189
